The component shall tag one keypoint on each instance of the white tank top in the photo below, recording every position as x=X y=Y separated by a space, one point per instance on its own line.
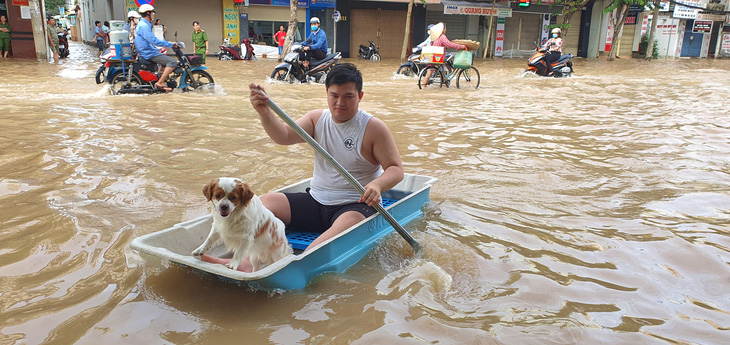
x=344 y=142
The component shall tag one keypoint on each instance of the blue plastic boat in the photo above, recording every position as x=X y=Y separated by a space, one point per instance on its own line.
x=294 y=271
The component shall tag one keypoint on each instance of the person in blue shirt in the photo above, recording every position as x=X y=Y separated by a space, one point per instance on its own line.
x=315 y=46
x=145 y=42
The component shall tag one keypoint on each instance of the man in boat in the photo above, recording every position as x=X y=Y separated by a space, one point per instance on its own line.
x=360 y=142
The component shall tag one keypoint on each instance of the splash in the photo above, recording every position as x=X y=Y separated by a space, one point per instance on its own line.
x=420 y=272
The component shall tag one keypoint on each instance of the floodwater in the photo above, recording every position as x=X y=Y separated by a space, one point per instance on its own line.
x=588 y=210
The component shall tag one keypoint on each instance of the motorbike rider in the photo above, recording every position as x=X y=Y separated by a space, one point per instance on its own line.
x=315 y=46
x=146 y=42
x=131 y=24
x=427 y=41
x=554 y=48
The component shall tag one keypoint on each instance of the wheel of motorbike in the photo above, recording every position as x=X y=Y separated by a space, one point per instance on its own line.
x=100 y=75
x=436 y=80
x=197 y=79
x=282 y=74
x=405 y=70
x=225 y=57
x=468 y=79
x=119 y=81
x=375 y=57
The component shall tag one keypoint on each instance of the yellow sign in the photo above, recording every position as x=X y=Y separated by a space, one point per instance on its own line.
x=131 y=6
x=230 y=21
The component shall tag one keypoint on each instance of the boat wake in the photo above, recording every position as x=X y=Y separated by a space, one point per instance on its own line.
x=419 y=272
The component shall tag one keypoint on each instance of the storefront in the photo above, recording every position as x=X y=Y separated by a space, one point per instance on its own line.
x=264 y=17
x=515 y=30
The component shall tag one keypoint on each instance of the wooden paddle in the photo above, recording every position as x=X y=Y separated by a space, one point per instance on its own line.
x=417 y=248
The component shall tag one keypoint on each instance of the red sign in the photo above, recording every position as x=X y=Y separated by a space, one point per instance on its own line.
x=144 y=2
x=20 y=3
x=702 y=26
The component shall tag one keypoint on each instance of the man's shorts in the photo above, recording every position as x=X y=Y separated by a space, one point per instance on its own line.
x=164 y=60
x=55 y=47
x=100 y=45
x=281 y=49
x=309 y=215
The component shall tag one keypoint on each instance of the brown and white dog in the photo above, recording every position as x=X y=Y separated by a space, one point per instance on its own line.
x=245 y=226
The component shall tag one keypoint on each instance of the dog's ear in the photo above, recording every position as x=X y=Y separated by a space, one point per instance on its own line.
x=246 y=192
x=208 y=189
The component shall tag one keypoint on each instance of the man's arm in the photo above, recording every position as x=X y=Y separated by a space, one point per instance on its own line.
x=277 y=130
x=50 y=40
x=384 y=152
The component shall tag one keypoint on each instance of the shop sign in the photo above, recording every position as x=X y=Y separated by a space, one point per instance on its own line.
x=300 y=3
x=477 y=10
x=20 y=3
x=321 y=3
x=230 y=20
x=725 y=47
x=711 y=17
x=702 y=27
x=499 y=39
x=682 y=12
x=132 y=5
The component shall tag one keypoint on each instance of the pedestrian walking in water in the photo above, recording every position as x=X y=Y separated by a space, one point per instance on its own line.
x=200 y=40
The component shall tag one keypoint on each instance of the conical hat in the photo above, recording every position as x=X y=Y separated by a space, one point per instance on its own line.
x=436 y=31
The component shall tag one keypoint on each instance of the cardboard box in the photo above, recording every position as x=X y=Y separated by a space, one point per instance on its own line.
x=431 y=54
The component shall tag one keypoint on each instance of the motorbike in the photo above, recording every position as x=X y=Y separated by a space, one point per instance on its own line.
x=140 y=76
x=236 y=52
x=63 y=44
x=413 y=66
x=369 y=53
x=537 y=64
x=291 y=69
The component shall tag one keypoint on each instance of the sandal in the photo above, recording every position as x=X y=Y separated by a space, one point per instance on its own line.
x=163 y=87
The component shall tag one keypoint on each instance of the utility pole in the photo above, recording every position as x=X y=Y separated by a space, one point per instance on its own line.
x=407 y=35
x=488 y=43
x=39 y=33
x=652 y=32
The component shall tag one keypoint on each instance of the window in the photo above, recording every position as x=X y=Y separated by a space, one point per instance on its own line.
x=265 y=31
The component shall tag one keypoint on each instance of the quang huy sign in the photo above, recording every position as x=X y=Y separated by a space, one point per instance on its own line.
x=477 y=10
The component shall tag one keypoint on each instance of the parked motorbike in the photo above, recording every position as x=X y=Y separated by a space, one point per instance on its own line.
x=413 y=66
x=291 y=69
x=537 y=64
x=369 y=53
x=236 y=52
x=63 y=44
x=141 y=76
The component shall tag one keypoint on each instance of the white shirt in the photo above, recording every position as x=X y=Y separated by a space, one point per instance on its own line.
x=343 y=141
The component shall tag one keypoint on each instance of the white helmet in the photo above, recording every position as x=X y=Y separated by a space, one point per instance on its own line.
x=133 y=14
x=146 y=8
x=556 y=31
x=314 y=20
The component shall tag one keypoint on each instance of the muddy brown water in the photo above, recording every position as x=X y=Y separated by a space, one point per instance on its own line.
x=588 y=210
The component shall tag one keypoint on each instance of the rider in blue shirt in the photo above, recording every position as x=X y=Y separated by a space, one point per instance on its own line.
x=145 y=42
x=315 y=46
